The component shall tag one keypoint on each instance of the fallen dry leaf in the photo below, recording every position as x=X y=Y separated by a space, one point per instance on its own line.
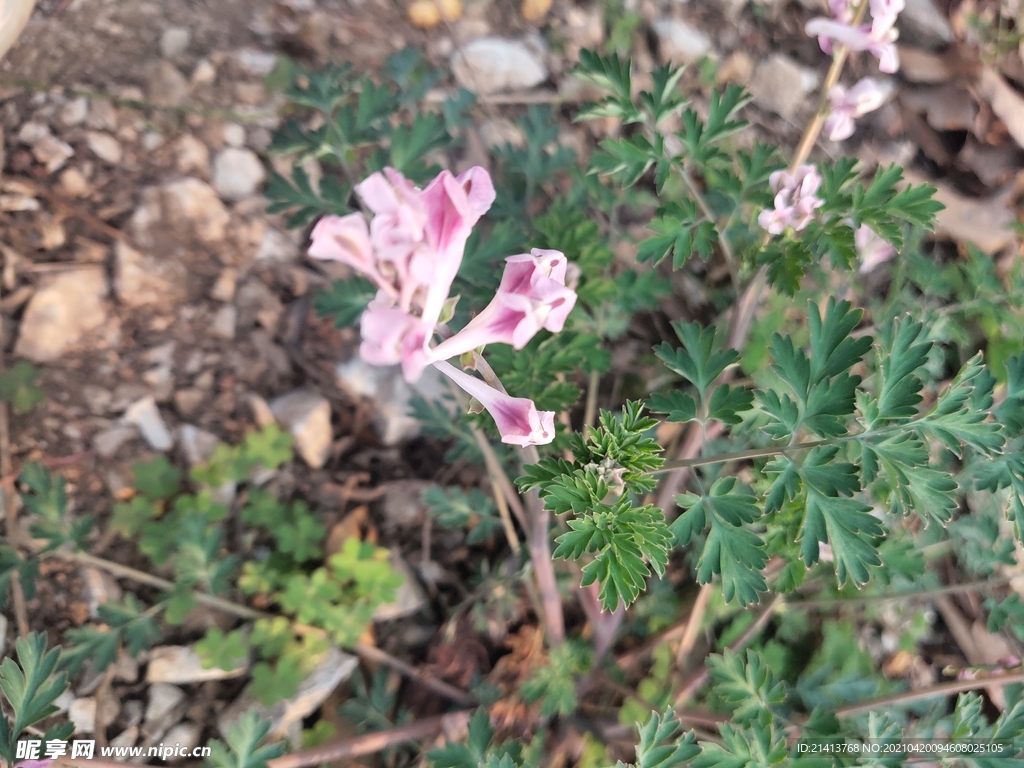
x=1005 y=101
x=429 y=13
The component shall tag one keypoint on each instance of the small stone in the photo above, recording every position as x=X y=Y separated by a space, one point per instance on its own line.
x=102 y=115
x=184 y=737
x=167 y=86
x=198 y=446
x=191 y=156
x=74 y=112
x=100 y=588
x=254 y=62
x=334 y=669
x=534 y=10
x=390 y=395
x=126 y=669
x=409 y=598
x=257 y=303
x=782 y=86
x=73 y=183
x=142 y=280
x=234 y=135
x=82 y=714
x=204 y=73
x=109 y=441
x=151 y=141
x=174 y=41
x=307 y=415
x=165 y=701
x=224 y=288
x=126 y=738
x=679 y=42
x=261 y=411
x=52 y=152
x=276 y=247
x=62 y=312
x=146 y=416
x=427 y=14
x=32 y=133
x=97 y=399
x=196 y=203
x=237 y=173
x=494 y=64
x=403 y=503
x=104 y=146
x=180 y=664
x=225 y=322
x=187 y=401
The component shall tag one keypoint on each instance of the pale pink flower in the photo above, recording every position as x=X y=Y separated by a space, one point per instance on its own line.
x=795 y=200
x=849 y=104
x=347 y=239
x=532 y=295
x=517 y=418
x=873 y=249
x=878 y=37
x=841 y=10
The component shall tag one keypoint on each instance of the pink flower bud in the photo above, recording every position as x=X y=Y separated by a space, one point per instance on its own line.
x=795 y=200
x=517 y=418
x=848 y=105
x=873 y=250
x=878 y=38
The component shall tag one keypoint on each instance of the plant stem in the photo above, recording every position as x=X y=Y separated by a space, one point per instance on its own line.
x=942 y=689
x=948 y=589
x=693 y=623
x=723 y=241
x=539 y=542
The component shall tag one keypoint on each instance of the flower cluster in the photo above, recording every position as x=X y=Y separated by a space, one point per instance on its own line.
x=795 y=200
x=411 y=250
x=847 y=104
x=878 y=37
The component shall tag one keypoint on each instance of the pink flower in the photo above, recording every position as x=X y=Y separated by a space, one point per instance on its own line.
x=847 y=105
x=532 y=295
x=517 y=418
x=347 y=239
x=878 y=37
x=872 y=248
x=795 y=200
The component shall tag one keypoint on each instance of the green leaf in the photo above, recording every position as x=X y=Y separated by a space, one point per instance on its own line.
x=746 y=682
x=955 y=419
x=269 y=447
x=242 y=749
x=555 y=682
x=653 y=752
x=697 y=361
x=679 y=406
x=158 y=479
x=223 y=651
x=679 y=230
x=30 y=685
x=345 y=300
x=849 y=527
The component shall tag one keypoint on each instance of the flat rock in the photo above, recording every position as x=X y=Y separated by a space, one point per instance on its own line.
x=255 y=62
x=109 y=441
x=198 y=446
x=174 y=41
x=782 y=86
x=494 y=64
x=225 y=321
x=74 y=112
x=390 y=395
x=237 y=173
x=945 y=107
x=142 y=280
x=307 y=415
x=985 y=222
x=1005 y=101
x=167 y=86
x=184 y=737
x=409 y=598
x=181 y=665
x=191 y=156
x=82 y=714
x=680 y=42
x=104 y=146
x=166 y=702
x=334 y=669
x=146 y=416
x=62 y=312
x=195 y=204
x=52 y=152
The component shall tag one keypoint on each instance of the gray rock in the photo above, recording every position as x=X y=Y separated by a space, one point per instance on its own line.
x=109 y=441
x=276 y=247
x=225 y=322
x=191 y=156
x=494 y=64
x=334 y=669
x=681 y=43
x=252 y=61
x=782 y=86
x=184 y=737
x=181 y=665
x=307 y=415
x=198 y=446
x=187 y=401
x=74 y=112
x=257 y=303
x=234 y=135
x=104 y=146
x=409 y=598
x=142 y=280
x=237 y=173
x=921 y=22
x=166 y=702
x=195 y=203
x=146 y=416
x=174 y=41
x=204 y=73
x=100 y=588
x=167 y=86
x=82 y=714
x=390 y=396
x=62 y=312
x=403 y=503
x=33 y=132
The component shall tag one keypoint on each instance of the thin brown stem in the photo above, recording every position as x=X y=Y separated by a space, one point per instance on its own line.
x=922 y=594
x=693 y=623
x=931 y=692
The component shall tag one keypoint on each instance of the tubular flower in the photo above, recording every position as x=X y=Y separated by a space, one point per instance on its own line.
x=795 y=200
x=517 y=418
x=878 y=37
x=532 y=295
x=849 y=104
x=873 y=248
